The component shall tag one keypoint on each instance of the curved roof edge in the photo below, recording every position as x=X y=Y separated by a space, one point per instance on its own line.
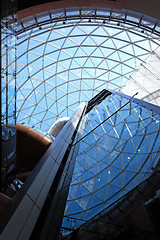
x=119 y=4
x=151 y=8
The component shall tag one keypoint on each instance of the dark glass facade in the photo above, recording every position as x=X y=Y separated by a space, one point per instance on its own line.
x=114 y=158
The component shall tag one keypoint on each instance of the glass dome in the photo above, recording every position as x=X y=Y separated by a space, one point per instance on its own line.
x=67 y=56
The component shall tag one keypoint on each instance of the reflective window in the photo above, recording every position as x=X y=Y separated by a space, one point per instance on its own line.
x=113 y=159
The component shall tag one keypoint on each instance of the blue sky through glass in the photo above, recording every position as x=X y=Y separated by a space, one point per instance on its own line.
x=113 y=159
x=62 y=65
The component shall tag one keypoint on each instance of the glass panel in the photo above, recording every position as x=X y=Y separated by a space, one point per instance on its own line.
x=70 y=62
x=115 y=157
x=8 y=98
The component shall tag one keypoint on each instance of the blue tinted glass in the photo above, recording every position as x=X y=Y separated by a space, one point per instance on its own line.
x=115 y=157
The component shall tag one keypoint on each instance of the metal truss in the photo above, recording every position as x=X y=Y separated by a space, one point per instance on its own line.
x=67 y=56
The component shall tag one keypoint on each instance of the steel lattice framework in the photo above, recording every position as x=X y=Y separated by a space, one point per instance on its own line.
x=113 y=159
x=67 y=56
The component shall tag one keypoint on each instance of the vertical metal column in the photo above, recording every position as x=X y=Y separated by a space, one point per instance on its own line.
x=8 y=91
x=0 y=107
x=51 y=217
x=40 y=210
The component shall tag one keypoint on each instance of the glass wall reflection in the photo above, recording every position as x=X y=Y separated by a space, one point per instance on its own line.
x=113 y=159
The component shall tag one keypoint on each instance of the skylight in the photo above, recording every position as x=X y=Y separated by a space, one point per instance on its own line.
x=62 y=63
